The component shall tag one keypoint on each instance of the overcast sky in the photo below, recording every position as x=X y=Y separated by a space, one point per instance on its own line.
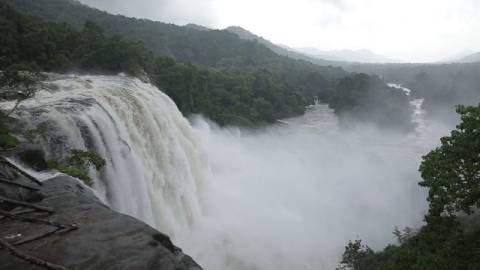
x=409 y=30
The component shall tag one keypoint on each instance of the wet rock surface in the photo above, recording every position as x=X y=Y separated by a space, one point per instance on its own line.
x=83 y=234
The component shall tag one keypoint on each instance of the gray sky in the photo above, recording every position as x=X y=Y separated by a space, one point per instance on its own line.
x=410 y=30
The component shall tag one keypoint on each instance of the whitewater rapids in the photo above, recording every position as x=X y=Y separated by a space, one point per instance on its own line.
x=285 y=197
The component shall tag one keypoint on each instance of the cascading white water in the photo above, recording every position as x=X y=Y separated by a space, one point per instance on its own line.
x=154 y=163
x=286 y=197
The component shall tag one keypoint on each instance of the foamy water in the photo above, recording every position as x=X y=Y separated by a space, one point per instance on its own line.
x=288 y=196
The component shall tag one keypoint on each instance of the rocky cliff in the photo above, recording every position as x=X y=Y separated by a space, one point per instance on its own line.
x=61 y=224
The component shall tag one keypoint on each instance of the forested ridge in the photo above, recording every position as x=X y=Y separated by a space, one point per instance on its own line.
x=215 y=73
x=242 y=82
x=213 y=48
x=443 y=85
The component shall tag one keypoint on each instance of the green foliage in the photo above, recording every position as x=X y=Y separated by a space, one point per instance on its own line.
x=23 y=77
x=452 y=171
x=443 y=86
x=3 y=123
x=367 y=98
x=79 y=173
x=60 y=47
x=86 y=158
x=403 y=235
x=8 y=141
x=440 y=245
x=77 y=164
x=446 y=86
x=450 y=240
x=19 y=82
x=211 y=72
x=227 y=96
x=354 y=256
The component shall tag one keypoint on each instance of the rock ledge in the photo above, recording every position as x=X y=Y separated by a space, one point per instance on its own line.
x=104 y=239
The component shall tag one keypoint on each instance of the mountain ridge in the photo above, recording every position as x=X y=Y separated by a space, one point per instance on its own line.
x=279 y=49
x=345 y=55
x=471 y=58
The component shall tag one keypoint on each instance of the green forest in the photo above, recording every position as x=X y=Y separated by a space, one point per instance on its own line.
x=214 y=73
x=442 y=85
x=239 y=82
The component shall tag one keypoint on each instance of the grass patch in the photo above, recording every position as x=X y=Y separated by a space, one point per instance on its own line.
x=8 y=141
x=77 y=165
x=79 y=173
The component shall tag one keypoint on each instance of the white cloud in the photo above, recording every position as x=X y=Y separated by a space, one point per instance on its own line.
x=413 y=30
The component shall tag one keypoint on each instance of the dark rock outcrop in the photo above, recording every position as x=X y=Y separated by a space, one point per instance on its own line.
x=98 y=238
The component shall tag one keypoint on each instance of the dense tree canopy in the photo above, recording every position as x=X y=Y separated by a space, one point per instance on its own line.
x=452 y=171
x=59 y=47
x=443 y=86
x=230 y=80
x=363 y=97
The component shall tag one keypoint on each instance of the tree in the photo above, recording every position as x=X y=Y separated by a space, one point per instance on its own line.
x=20 y=82
x=452 y=171
x=78 y=164
x=354 y=256
x=447 y=241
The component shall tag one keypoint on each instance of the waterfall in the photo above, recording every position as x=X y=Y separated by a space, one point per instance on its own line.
x=285 y=197
x=154 y=161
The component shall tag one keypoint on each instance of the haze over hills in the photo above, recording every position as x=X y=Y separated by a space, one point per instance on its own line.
x=361 y=56
x=197 y=27
x=190 y=43
x=471 y=58
x=184 y=43
x=281 y=50
x=231 y=80
x=466 y=56
x=334 y=57
x=237 y=147
x=270 y=73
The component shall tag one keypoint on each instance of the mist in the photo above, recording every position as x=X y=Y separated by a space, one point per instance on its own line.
x=170 y=11
x=289 y=188
x=288 y=196
x=411 y=31
x=291 y=196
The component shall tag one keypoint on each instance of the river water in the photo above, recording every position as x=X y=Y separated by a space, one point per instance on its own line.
x=289 y=196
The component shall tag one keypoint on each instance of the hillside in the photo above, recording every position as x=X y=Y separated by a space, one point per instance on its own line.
x=281 y=50
x=213 y=48
x=360 y=56
x=334 y=58
x=475 y=57
x=214 y=73
x=442 y=85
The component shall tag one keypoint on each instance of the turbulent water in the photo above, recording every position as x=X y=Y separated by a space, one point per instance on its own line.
x=399 y=86
x=286 y=197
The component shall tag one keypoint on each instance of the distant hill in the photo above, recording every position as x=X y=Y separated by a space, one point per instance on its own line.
x=197 y=27
x=471 y=58
x=230 y=79
x=334 y=58
x=454 y=58
x=360 y=56
x=281 y=50
x=191 y=43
